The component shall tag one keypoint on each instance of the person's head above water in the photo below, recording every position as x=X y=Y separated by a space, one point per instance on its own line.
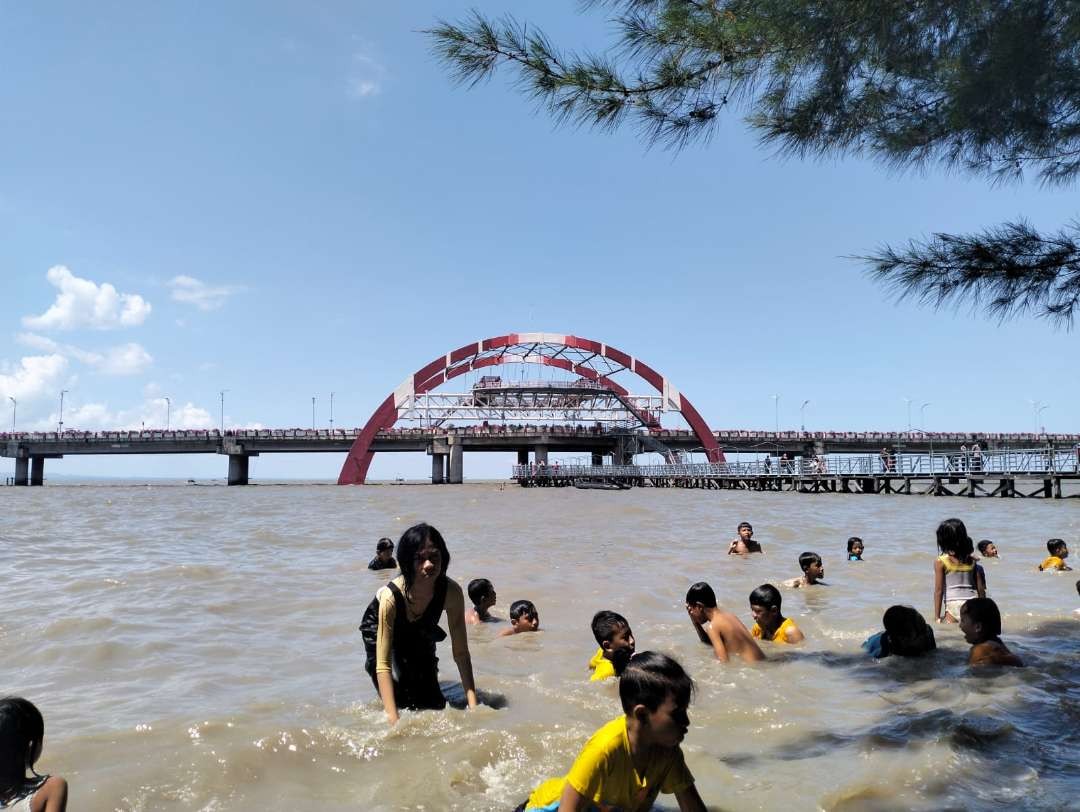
x=980 y=620
x=855 y=546
x=765 y=605
x=524 y=616
x=422 y=553
x=745 y=530
x=701 y=593
x=22 y=732
x=656 y=690
x=385 y=548
x=988 y=549
x=909 y=633
x=1057 y=547
x=613 y=635
x=953 y=539
x=812 y=565
x=481 y=592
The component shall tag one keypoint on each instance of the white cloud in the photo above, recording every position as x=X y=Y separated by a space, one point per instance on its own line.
x=82 y=303
x=34 y=377
x=152 y=413
x=189 y=290
x=365 y=77
x=124 y=359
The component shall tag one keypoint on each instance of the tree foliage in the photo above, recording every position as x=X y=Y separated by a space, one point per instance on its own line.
x=986 y=87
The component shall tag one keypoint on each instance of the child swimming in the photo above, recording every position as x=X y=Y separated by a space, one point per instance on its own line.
x=1059 y=551
x=769 y=623
x=855 y=548
x=628 y=762
x=987 y=549
x=482 y=595
x=744 y=544
x=384 y=556
x=980 y=621
x=523 y=618
x=717 y=628
x=956 y=576
x=906 y=634
x=22 y=734
x=813 y=571
x=616 y=642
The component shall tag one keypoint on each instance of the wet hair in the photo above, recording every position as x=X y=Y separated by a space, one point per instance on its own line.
x=851 y=542
x=986 y=612
x=701 y=593
x=22 y=729
x=384 y=544
x=744 y=524
x=982 y=545
x=479 y=588
x=806 y=559
x=909 y=633
x=409 y=545
x=1078 y=587
x=952 y=537
x=765 y=595
x=605 y=624
x=519 y=608
x=1054 y=546
x=649 y=678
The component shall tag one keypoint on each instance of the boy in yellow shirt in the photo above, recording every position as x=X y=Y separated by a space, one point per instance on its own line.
x=769 y=623
x=1059 y=551
x=616 y=641
x=635 y=757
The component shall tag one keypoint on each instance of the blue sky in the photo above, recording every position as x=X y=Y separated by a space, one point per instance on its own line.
x=288 y=199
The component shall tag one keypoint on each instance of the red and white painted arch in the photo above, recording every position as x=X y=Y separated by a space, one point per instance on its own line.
x=581 y=356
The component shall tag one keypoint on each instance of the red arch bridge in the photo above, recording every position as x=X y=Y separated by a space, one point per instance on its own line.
x=583 y=404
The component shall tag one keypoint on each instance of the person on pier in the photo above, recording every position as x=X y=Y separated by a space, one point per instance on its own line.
x=718 y=628
x=400 y=627
x=957 y=578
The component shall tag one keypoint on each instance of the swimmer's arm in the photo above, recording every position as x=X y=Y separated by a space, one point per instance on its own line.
x=689 y=800
x=386 y=693
x=459 y=640
x=980 y=581
x=939 y=588
x=571 y=800
x=795 y=635
x=384 y=640
x=53 y=794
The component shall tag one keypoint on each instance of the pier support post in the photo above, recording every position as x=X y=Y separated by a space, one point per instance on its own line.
x=457 y=464
x=238 y=469
x=37 y=470
x=22 y=470
x=438 y=469
x=540 y=454
x=523 y=456
x=598 y=458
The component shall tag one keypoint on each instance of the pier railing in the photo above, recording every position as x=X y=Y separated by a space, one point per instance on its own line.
x=1019 y=461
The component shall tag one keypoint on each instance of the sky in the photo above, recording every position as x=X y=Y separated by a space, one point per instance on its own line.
x=283 y=200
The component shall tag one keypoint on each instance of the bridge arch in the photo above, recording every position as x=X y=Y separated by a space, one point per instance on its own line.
x=589 y=359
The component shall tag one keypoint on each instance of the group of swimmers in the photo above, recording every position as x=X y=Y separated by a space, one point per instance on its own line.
x=634 y=757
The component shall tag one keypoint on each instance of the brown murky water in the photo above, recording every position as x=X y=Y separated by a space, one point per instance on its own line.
x=195 y=648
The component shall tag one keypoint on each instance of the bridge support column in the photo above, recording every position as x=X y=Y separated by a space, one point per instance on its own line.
x=598 y=458
x=523 y=456
x=22 y=470
x=540 y=454
x=37 y=470
x=238 y=469
x=457 y=464
x=438 y=469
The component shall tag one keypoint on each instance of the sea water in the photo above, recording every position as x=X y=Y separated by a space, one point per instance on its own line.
x=196 y=648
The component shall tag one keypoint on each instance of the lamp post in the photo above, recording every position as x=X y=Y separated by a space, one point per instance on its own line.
x=802 y=415
x=331 y=412
x=908 y=402
x=922 y=423
x=776 y=422
x=313 y=413
x=168 y=413
x=62 y=393
x=221 y=394
x=1038 y=414
x=14 y=406
x=1035 y=412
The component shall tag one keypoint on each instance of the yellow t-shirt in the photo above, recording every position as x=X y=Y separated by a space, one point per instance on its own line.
x=1052 y=563
x=604 y=773
x=602 y=667
x=780 y=636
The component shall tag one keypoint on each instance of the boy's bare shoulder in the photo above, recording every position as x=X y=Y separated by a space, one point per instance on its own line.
x=993 y=652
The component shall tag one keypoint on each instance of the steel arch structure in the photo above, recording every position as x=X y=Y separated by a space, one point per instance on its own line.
x=593 y=360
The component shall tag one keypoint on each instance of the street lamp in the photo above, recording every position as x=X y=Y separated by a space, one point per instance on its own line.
x=62 y=393
x=1038 y=414
x=222 y=395
x=313 y=413
x=168 y=413
x=922 y=423
x=14 y=406
x=908 y=402
x=802 y=413
x=331 y=412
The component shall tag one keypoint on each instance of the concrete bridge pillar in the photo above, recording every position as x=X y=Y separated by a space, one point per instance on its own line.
x=22 y=470
x=457 y=464
x=37 y=470
x=438 y=469
x=540 y=454
x=238 y=469
x=598 y=458
x=523 y=456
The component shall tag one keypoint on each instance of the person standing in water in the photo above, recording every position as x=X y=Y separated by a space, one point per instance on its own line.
x=400 y=627
x=22 y=733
